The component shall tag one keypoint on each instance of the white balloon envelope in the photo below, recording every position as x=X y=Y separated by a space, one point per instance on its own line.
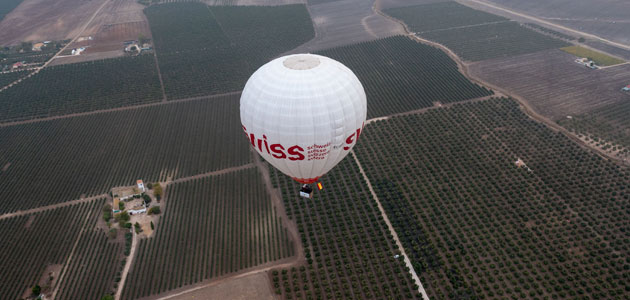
x=303 y=113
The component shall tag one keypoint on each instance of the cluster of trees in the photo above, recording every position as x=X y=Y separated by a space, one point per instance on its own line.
x=219 y=47
x=396 y=81
x=478 y=226
x=80 y=87
x=211 y=227
x=349 y=251
x=75 y=156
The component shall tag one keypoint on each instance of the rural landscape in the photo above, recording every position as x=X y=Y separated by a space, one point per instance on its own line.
x=494 y=162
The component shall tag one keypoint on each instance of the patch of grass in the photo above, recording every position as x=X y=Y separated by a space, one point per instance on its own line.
x=599 y=58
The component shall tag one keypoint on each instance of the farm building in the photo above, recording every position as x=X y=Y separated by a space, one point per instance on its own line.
x=626 y=88
x=140 y=185
x=17 y=65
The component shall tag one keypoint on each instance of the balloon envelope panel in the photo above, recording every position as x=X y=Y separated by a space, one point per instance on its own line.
x=303 y=113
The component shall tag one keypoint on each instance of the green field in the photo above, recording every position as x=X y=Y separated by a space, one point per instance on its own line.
x=440 y=16
x=81 y=87
x=32 y=242
x=400 y=74
x=211 y=227
x=210 y=50
x=473 y=35
x=599 y=58
x=477 y=226
x=49 y=162
x=349 y=250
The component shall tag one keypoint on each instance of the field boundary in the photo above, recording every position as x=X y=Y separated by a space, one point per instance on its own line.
x=52 y=206
x=122 y=108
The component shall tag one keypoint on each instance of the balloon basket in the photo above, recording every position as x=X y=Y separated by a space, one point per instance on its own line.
x=306 y=191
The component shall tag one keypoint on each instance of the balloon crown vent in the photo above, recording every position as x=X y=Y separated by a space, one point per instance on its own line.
x=301 y=62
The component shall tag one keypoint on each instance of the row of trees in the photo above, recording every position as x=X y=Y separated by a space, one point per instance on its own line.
x=479 y=226
x=81 y=87
x=59 y=160
x=25 y=258
x=211 y=50
x=350 y=253
x=400 y=75
x=211 y=227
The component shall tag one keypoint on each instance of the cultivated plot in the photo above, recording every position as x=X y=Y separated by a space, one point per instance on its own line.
x=49 y=162
x=553 y=83
x=340 y=23
x=349 y=251
x=605 y=18
x=400 y=74
x=608 y=126
x=441 y=15
x=491 y=204
x=36 y=248
x=210 y=50
x=472 y=34
x=211 y=227
x=82 y=87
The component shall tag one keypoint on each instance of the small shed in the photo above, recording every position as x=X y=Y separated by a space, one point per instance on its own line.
x=140 y=185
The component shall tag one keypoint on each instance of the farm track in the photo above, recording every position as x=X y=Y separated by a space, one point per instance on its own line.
x=499 y=91
x=53 y=206
x=392 y=231
x=100 y=111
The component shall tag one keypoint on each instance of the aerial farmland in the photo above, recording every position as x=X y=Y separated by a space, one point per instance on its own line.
x=490 y=157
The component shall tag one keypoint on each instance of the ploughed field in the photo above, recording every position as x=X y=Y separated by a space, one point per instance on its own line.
x=349 y=250
x=211 y=227
x=477 y=224
x=54 y=161
x=81 y=87
x=473 y=35
x=33 y=243
x=206 y=50
x=554 y=84
x=400 y=74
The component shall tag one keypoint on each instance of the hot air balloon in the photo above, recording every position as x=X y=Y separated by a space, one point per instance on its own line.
x=303 y=113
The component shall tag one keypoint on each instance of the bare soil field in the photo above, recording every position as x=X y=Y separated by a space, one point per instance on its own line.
x=37 y=20
x=347 y=22
x=553 y=83
x=254 y=286
x=609 y=19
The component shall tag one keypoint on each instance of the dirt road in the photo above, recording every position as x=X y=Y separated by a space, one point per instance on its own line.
x=53 y=206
